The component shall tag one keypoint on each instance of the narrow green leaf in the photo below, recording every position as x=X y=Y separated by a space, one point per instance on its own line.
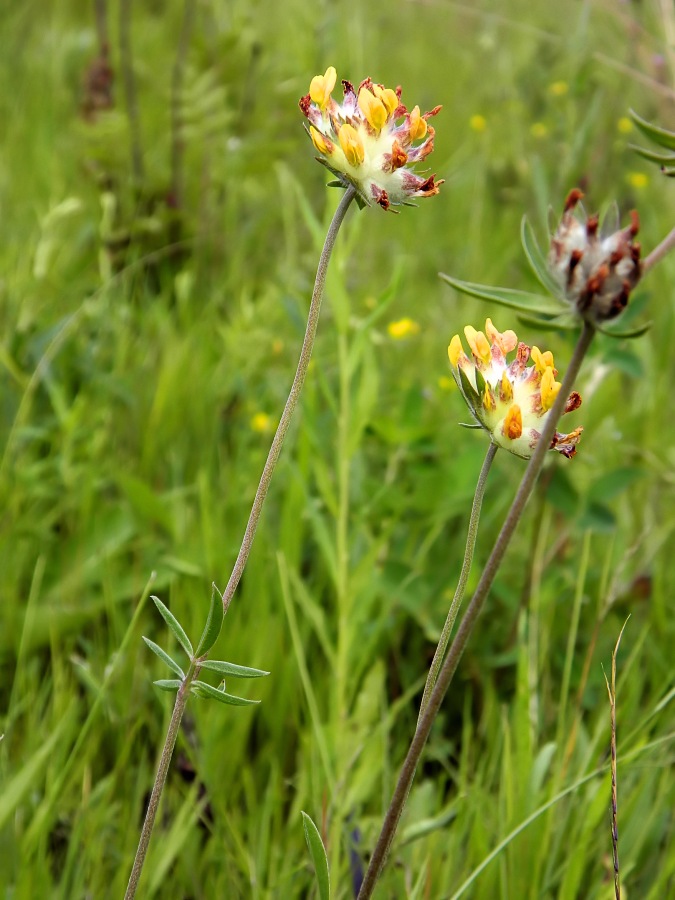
x=469 y=390
x=207 y=692
x=175 y=626
x=164 y=656
x=467 y=425
x=536 y=258
x=630 y=333
x=661 y=158
x=533 y=303
x=168 y=684
x=214 y=623
x=228 y=668
x=660 y=136
x=319 y=858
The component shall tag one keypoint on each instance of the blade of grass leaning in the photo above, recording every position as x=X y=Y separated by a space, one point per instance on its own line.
x=319 y=858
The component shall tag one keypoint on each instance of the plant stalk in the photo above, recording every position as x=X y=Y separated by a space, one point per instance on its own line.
x=468 y=622
x=463 y=578
x=160 y=779
x=293 y=397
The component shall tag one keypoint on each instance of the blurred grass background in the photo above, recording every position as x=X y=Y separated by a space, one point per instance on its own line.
x=151 y=317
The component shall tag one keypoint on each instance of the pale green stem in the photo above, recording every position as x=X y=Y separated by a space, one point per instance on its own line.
x=160 y=779
x=245 y=549
x=463 y=578
x=293 y=397
x=468 y=622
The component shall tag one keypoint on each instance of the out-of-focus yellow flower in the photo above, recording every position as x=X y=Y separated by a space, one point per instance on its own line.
x=510 y=400
x=277 y=346
x=538 y=130
x=370 y=140
x=261 y=423
x=558 y=88
x=403 y=328
x=595 y=268
x=478 y=122
x=445 y=383
x=624 y=125
x=638 y=180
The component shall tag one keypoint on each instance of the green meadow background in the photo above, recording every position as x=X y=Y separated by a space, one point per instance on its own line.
x=155 y=273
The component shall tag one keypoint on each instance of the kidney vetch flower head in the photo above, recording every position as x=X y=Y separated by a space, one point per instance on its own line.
x=370 y=140
x=595 y=268
x=510 y=400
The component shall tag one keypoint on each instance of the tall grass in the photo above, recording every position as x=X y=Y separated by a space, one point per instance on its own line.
x=130 y=375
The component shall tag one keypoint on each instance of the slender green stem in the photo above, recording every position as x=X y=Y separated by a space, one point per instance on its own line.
x=160 y=779
x=293 y=397
x=463 y=578
x=468 y=622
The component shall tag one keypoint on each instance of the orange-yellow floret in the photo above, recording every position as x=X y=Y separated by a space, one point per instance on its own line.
x=418 y=125
x=373 y=109
x=513 y=423
x=479 y=344
x=549 y=388
x=320 y=142
x=455 y=350
x=541 y=360
x=388 y=97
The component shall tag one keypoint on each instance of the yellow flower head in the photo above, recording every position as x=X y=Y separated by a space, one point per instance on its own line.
x=261 y=423
x=370 y=140
x=596 y=268
x=403 y=328
x=510 y=400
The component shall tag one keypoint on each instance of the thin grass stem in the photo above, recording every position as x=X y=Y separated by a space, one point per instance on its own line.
x=463 y=578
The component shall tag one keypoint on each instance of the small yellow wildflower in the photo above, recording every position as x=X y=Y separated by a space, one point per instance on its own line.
x=624 y=125
x=558 y=88
x=638 y=180
x=510 y=400
x=403 y=328
x=538 y=130
x=445 y=383
x=478 y=122
x=261 y=423
x=277 y=346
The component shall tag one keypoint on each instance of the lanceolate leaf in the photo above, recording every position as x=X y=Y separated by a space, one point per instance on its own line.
x=207 y=692
x=228 y=668
x=469 y=390
x=213 y=625
x=630 y=333
x=536 y=258
x=652 y=156
x=532 y=303
x=175 y=626
x=168 y=684
x=660 y=136
x=164 y=656
x=319 y=857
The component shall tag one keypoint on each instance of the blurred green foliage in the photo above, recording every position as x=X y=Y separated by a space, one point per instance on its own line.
x=144 y=331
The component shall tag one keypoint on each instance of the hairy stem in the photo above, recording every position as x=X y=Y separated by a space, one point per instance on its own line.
x=463 y=578
x=293 y=397
x=160 y=779
x=468 y=622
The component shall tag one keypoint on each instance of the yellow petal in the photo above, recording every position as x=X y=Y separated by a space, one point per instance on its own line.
x=388 y=97
x=320 y=142
x=506 y=341
x=351 y=144
x=321 y=86
x=417 y=125
x=506 y=389
x=455 y=350
x=513 y=423
x=478 y=343
x=541 y=360
x=549 y=388
x=373 y=109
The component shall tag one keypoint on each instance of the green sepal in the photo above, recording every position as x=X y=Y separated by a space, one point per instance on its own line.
x=319 y=857
x=175 y=626
x=536 y=258
x=168 y=684
x=660 y=136
x=214 y=623
x=469 y=390
x=532 y=303
x=164 y=656
x=468 y=425
x=480 y=384
x=228 y=668
x=630 y=333
x=337 y=184
x=207 y=692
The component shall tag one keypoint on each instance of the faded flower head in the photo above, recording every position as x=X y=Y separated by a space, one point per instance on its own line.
x=510 y=400
x=595 y=271
x=370 y=140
